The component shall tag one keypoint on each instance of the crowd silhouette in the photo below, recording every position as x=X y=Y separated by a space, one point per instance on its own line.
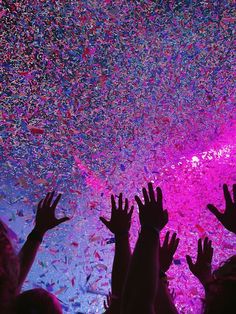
x=139 y=283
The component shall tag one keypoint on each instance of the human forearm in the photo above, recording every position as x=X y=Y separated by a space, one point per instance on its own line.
x=120 y=264
x=164 y=303
x=28 y=252
x=141 y=286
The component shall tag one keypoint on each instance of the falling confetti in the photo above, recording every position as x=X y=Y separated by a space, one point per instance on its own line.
x=99 y=97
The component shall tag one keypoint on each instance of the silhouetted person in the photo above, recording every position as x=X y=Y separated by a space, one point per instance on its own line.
x=44 y=221
x=143 y=277
x=9 y=270
x=228 y=217
x=119 y=225
x=36 y=301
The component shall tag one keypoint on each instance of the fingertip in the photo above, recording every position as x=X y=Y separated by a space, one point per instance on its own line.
x=131 y=210
x=159 y=191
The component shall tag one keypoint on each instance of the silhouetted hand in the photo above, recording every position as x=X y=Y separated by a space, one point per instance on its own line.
x=120 y=221
x=151 y=213
x=167 y=251
x=228 y=218
x=202 y=268
x=45 y=217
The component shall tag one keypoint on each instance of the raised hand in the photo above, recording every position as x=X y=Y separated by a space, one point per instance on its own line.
x=151 y=213
x=202 y=268
x=228 y=218
x=167 y=251
x=45 y=217
x=120 y=221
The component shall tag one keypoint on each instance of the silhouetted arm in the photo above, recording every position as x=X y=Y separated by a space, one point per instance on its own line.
x=201 y=269
x=119 y=225
x=45 y=220
x=164 y=303
x=142 y=280
x=120 y=264
x=228 y=218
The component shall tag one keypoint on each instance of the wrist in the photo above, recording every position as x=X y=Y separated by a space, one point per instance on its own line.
x=41 y=232
x=35 y=235
x=205 y=281
x=149 y=228
x=121 y=235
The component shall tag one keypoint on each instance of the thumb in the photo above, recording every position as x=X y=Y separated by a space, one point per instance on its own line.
x=190 y=262
x=104 y=221
x=214 y=211
x=131 y=212
x=61 y=220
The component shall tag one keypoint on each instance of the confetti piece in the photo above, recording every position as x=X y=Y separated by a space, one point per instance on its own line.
x=35 y=130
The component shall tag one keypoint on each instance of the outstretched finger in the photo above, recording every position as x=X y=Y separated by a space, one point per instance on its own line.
x=175 y=246
x=215 y=211
x=159 y=198
x=166 y=240
x=120 y=201
x=189 y=262
x=139 y=202
x=131 y=212
x=228 y=199
x=50 y=198
x=145 y=195
x=113 y=203
x=199 y=248
x=173 y=241
x=151 y=192
x=206 y=244
x=126 y=205
x=45 y=201
x=104 y=221
x=61 y=220
x=40 y=204
x=210 y=250
x=57 y=200
x=165 y=217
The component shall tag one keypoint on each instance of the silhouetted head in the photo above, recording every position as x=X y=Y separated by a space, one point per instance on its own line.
x=9 y=269
x=220 y=298
x=37 y=301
